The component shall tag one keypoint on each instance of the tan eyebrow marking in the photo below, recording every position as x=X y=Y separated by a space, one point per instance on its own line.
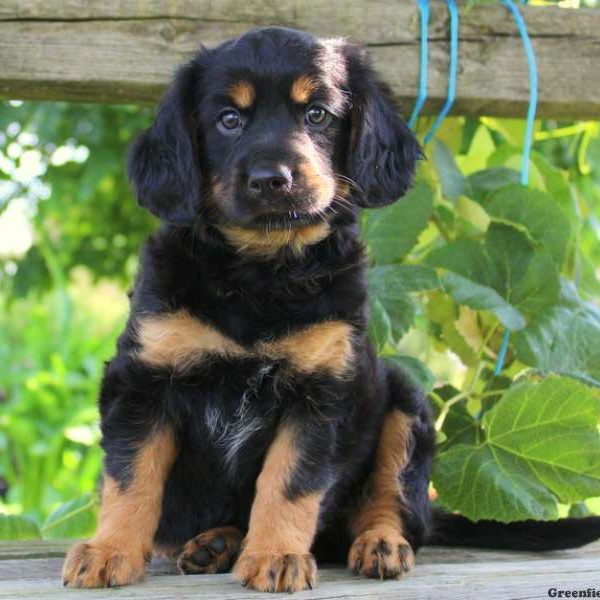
x=302 y=89
x=242 y=93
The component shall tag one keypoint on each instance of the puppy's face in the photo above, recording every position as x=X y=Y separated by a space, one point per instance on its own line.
x=272 y=124
x=276 y=129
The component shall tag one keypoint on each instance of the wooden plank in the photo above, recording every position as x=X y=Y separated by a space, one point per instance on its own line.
x=127 y=50
x=440 y=573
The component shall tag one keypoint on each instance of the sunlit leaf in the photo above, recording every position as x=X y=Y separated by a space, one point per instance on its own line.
x=16 y=527
x=541 y=447
x=392 y=231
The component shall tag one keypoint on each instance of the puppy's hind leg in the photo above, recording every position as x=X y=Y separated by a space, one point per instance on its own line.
x=392 y=522
x=213 y=551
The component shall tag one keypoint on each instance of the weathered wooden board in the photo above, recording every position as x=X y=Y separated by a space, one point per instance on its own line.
x=440 y=573
x=127 y=50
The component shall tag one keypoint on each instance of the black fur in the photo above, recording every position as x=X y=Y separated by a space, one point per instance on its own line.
x=225 y=412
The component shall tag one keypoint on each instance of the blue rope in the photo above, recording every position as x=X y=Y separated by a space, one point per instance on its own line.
x=533 y=88
x=531 y=110
x=422 y=93
x=452 y=71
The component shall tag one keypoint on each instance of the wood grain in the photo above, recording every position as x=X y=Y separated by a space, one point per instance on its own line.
x=127 y=50
x=448 y=573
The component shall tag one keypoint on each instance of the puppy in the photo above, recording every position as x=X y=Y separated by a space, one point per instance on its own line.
x=246 y=420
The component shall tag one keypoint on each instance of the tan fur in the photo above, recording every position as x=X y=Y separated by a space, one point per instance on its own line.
x=276 y=550
x=243 y=94
x=378 y=522
x=266 y=244
x=382 y=506
x=117 y=553
x=178 y=340
x=302 y=89
x=219 y=190
x=324 y=346
x=316 y=172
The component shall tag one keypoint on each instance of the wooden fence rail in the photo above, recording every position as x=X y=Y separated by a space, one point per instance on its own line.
x=127 y=50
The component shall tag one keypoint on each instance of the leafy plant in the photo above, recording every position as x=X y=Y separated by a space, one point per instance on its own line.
x=470 y=257
x=466 y=256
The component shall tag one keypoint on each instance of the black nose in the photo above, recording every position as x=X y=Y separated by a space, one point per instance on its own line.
x=269 y=180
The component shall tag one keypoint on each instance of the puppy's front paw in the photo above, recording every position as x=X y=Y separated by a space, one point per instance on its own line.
x=210 y=552
x=276 y=572
x=381 y=553
x=93 y=564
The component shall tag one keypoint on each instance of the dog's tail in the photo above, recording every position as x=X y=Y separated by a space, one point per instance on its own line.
x=455 y=530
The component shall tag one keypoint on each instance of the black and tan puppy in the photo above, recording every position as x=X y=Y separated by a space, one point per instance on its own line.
x=246 y=419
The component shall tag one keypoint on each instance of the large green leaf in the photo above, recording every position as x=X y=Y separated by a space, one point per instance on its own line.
x=392 y=231
x=543 y=176
x=482 y=183
x=481 y=297
x=392 y=309
x=414 y=369
x=506 y=275
x=459 y=426
x=73 y=519
x=536 y=212
x=17 y=527
x=452 y=180
x=541 y=447
x=391 y=280
x=563 y=340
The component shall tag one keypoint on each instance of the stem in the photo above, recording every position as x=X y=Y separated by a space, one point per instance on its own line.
x=446 y=409
x=441 y=227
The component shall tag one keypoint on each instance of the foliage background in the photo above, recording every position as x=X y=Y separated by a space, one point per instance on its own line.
x=466 y=256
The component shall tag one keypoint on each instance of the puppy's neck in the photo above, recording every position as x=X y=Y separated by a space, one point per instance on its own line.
x=260 y=244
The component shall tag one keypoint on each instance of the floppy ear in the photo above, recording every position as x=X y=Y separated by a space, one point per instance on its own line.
x=383 y=151
x=163 y=163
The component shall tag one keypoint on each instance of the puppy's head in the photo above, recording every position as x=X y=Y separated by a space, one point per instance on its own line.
x=273 y=130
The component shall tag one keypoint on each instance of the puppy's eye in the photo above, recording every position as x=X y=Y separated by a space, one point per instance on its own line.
x=317 y=115
x=230 y=120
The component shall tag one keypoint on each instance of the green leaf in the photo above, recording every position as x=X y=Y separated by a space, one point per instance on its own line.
x=459 y=426
x=73 y=519
x=452 y=180
x=16 y=527
x=392 y=231
x=505 y=275
x=391 y=280
x=414 y=369
x=392 y=310
x=539 y=288
x=481 y=297
x=537 y=212
x=482 y=484
x=380 y=326
x=563 y=340
x=541 y=447
x=543 y=176
x=482 y=183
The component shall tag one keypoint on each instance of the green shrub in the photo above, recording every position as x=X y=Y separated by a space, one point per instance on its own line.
x=467 y=256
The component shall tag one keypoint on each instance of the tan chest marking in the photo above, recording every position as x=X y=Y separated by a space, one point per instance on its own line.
x=266 y=244
x=324 y=346
x=179 y=341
